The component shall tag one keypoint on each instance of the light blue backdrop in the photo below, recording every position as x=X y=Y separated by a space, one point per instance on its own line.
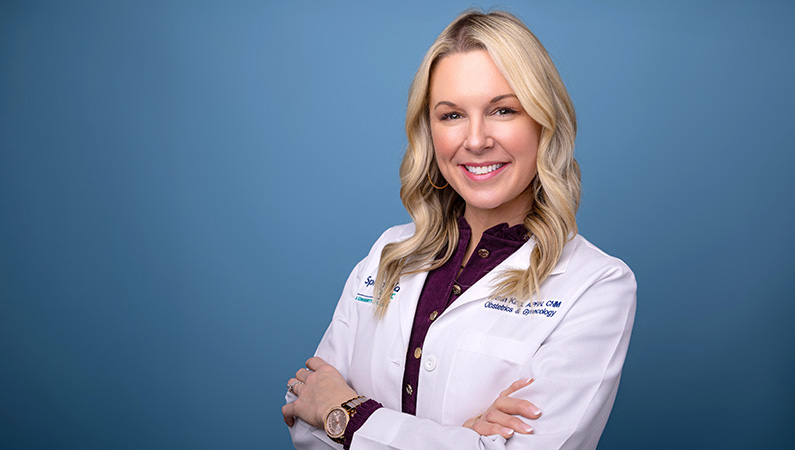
x=184 y=187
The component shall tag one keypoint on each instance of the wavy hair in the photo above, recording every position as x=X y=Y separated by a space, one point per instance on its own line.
x=551 y=221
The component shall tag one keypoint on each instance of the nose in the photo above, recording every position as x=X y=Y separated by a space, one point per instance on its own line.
x=478 y=137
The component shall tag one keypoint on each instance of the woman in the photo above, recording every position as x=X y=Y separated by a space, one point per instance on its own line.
x=490 y=304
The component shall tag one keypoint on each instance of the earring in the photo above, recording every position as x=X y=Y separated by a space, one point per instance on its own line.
x=435 y=186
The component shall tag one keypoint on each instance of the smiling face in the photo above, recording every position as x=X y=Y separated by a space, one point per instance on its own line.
x=484 y=141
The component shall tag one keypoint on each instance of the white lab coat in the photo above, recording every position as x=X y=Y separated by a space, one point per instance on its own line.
x=572 y=340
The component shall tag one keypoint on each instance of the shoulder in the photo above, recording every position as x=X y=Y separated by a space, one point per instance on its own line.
x=580 y=250
x=583 y=260
x=397 y=233
x=393 y=234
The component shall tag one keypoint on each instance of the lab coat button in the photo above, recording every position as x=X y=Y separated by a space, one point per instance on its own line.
x=430 y=363
x=456 y=289
x=483 y=253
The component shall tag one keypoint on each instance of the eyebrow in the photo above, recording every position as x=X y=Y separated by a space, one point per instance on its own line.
x=494 y=100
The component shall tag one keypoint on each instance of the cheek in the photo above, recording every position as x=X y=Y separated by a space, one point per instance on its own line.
x=523 y=147
x=443 y=143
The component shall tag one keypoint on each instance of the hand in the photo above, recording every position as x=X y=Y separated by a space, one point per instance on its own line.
x=500 y=418
x=320 y=388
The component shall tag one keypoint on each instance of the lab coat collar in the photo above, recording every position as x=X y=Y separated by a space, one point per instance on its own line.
x=413 y=283
x=407 y=303
x=518 y=260
x=565 y=255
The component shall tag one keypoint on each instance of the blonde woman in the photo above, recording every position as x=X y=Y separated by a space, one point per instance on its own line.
x=458 y=329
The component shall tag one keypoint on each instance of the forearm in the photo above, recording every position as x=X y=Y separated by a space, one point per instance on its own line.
x=390 y=429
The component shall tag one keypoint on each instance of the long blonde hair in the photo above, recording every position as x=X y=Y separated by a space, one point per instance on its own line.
x=551 y=222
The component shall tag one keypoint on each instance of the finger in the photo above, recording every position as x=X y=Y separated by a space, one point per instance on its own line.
x=295 y=383
x=485 y=428
x=507 y=421
x=315 y=363
x=515 y=386
x=522 y=407
x=288 y=414
x=302 y=374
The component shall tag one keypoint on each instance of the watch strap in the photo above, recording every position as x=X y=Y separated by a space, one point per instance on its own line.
x=350 y=409
x=352 y=404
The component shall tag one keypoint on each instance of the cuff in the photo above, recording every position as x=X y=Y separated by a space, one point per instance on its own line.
x=363 y=412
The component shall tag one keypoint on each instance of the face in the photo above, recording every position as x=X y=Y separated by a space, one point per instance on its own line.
x=484 y=141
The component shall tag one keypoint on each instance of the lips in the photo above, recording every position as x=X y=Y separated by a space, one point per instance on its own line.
x=482 y=170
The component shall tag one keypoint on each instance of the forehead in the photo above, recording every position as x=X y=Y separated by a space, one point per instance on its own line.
x=469 y=75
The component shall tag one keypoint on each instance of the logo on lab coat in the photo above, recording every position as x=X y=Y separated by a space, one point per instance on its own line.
x=367 y=297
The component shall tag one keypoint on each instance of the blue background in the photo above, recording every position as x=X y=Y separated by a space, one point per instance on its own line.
x=184 y=187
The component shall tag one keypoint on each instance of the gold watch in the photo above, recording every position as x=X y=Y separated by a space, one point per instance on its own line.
x=338 y=417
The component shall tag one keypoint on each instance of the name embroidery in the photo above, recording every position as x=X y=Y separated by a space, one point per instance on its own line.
x=546 y=308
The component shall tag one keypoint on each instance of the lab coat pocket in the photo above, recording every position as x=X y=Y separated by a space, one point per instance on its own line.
x=483 y=365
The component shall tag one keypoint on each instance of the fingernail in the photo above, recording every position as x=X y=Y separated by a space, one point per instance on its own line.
x=507 y=431
x=528 y=381
x=527 y=428
x=535 y=410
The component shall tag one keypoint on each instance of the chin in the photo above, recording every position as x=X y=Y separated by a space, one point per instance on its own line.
x=491 y=202
x=485 y=205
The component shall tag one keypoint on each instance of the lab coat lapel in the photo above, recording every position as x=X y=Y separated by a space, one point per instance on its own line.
x=518 y=260
x=407 y=298
x=392 y=333
x=483 y=287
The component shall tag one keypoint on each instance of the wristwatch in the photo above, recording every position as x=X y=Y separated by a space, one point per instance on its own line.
x=338 y=417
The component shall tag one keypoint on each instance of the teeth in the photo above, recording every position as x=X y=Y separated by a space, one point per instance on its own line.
x=482 y=170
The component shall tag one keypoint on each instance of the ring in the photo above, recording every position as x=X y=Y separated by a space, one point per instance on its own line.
x=292 y=385
x=478 y=417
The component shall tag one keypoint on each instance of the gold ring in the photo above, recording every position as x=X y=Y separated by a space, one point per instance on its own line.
x=292 y=385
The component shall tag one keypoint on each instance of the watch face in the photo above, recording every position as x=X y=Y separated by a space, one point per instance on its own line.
x=336 y=421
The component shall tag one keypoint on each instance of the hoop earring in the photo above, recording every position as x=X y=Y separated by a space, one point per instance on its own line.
x=435 y=186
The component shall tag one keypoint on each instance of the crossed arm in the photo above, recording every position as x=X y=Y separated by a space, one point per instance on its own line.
x=576 y=371
x=320 y=387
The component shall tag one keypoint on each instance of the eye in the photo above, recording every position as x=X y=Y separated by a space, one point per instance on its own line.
x=504 y=111
x=450 y=116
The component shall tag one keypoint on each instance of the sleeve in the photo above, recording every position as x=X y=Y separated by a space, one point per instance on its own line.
x=576 y=372
x=363 y=412
x=336 y=346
